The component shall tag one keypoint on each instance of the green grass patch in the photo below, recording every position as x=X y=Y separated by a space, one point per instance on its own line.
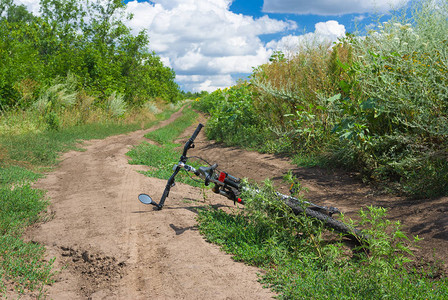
x=300 y=264
x=16 y=175
x=169 y=133
x=307 y=160
x=43 y=149
x=162 y=158
x=21 y=263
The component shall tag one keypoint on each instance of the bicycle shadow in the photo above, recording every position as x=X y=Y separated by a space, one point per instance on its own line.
x=181 y=230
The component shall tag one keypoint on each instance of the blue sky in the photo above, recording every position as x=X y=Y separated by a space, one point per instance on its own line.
x=212 y=43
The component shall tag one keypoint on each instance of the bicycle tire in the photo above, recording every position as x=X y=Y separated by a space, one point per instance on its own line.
x=329 y=222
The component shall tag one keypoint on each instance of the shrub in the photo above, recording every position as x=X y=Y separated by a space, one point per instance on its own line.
x=233 y=118
x=393 y=115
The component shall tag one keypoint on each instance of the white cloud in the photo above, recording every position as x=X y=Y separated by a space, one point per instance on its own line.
x=330 y=7
x=325 y=32
x=32 y=6
x=359 y=18
x=204 y=38
x=209 y=83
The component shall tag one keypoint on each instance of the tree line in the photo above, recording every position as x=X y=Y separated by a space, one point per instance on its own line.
x=85 y=39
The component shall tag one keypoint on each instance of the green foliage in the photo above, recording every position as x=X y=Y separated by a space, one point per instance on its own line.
x=87 y=40
x=376 y=104
x=300 y=265
x=116 y=105
x=209 y=103
x=393 y=116
x=233 y=119
x=20 y=207
x=190 y=95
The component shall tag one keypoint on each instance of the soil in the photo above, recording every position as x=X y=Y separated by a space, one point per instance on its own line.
x=107 y=245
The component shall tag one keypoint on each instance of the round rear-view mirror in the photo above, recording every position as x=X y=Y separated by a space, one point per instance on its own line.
x=145 y=199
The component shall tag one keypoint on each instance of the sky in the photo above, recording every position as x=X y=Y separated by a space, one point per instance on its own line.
x=210 y=44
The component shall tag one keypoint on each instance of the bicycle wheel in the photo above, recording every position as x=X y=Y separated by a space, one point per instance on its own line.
x=329 y=222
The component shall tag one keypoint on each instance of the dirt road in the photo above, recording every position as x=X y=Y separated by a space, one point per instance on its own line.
x=113 y=247
x=109 y=246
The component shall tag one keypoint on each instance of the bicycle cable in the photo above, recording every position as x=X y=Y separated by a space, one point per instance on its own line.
x=200 y=158
x=191 y=177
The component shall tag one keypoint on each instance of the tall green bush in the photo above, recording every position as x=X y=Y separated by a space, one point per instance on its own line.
x=394 y=117
x=376 y=103
x=233 y=117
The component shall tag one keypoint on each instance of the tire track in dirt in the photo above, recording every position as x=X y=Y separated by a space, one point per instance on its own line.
x=109 y=246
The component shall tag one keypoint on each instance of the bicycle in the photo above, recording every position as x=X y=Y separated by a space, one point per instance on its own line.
x=231 y=187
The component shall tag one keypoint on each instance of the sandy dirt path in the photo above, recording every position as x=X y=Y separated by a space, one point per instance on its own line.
x=109 y=246
x=113 y=247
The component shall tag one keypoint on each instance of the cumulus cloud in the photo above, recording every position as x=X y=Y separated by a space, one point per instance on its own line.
x=205 y=82
x=330 y=7
x=324 y=32
x=204 y=38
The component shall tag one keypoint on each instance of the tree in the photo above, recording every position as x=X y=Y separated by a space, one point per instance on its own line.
x=85 y=38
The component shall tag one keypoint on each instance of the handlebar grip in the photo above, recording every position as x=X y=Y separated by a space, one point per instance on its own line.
x=196 y=132
x=189 y=143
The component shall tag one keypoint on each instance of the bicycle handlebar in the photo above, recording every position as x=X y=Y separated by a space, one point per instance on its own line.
x=189 y=144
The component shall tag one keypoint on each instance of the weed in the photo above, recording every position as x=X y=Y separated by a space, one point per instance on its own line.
x=374 y=104
x=161 y=157
x=15 y=175
x=299 y=264
x=116 y=105
x=20 y=207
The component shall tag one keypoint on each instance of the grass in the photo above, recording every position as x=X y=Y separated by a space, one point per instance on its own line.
x=307 y=160
x=169 y=133
x=44 y=148
x=16 y=175
x=163 y=156
x=22 y=262
x=24 y=154
x=300 y=264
